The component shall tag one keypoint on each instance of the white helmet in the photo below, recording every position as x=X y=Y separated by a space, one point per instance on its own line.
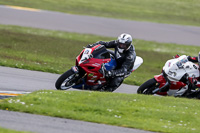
x=124 y=42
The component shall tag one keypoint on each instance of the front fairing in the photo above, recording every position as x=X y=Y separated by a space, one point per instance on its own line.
x=91 y=64
x=176 y=68
x=173 y=85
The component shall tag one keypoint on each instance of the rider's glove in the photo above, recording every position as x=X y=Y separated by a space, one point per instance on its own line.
x=90 y=46
x=192 y=83
x=105 y=72
x=192 y=80
x=109 y=74
x=176 y=56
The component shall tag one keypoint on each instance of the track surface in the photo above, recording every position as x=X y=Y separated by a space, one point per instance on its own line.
x=45 y=124
x=12 y=79
x=24 y=80
x=188 y=35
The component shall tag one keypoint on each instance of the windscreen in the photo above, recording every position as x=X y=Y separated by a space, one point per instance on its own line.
x=101 y=53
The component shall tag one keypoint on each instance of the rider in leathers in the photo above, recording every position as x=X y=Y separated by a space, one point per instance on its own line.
x=125 y=57
x=190 y=81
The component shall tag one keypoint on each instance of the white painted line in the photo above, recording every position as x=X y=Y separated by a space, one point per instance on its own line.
x=15 y=92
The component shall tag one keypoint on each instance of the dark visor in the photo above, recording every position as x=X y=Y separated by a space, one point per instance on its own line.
x=122 y=46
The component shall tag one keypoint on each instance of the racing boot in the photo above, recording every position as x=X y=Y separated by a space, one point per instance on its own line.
x=191 y=92
x=192 y=83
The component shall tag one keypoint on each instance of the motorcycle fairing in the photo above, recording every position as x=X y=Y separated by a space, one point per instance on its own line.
x=137 y=63
x=90 y=60
x=174 y=85
x=176 y=68
x=160 y=78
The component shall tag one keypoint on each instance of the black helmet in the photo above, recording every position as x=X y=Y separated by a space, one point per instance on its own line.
x=124 y=42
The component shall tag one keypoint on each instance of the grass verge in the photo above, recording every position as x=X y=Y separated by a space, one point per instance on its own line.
x=3 y=130
x=160 y=114
x=55 y=51
x=171 y=11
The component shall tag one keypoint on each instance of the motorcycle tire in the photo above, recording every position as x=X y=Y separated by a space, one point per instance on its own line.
x=147 y=87
x=65 y=81
x=198 y=96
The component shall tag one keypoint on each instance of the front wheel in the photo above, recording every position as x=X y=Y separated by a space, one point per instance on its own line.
x=66 y=80
x=147 y=87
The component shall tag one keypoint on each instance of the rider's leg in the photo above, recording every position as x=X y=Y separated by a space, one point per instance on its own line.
x=114 y=83
x=190 y=81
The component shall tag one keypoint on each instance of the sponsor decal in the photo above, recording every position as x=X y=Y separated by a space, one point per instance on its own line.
x=118 y=55
x=195 y=67
x=91 y=81
x=173 y=82
x=90 y=74
x=169 y=64
x=172 y=73
x=86 y=51
x=96 y=64
x=75 y=69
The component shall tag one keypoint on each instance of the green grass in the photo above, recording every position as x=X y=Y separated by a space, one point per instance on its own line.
x=55 y=51
x=184 y=12
x=3 y=130
x=160 y=114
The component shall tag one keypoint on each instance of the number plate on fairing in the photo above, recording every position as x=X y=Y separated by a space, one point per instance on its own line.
x=86 y=55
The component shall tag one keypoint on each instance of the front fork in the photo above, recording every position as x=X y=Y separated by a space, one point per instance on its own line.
x=80 y=76
x=164 y=84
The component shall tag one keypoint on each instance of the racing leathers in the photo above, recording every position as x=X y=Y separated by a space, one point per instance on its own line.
x=125 y=62
x=190 y=81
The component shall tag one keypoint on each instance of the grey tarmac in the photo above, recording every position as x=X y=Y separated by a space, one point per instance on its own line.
x=46 y=124
x=168 y=33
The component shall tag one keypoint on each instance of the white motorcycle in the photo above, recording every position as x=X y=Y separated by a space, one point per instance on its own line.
x=169 y=81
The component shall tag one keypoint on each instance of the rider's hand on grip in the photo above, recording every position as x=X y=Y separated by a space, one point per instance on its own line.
x=102 y=70
x=108 y=74
x=89 y=46
x=192 y=83
x=192 y=80
x=105 y=72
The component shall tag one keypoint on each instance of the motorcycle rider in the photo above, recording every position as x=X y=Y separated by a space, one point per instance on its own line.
x=190 y=81
x=125 y=57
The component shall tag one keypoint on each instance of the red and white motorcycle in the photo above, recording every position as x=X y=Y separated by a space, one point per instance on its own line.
x=168 y=82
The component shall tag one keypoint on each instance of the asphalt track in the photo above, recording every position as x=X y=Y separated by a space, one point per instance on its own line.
x=27 y=81
x=45 y=124
x=12 y=79
x=188 y=35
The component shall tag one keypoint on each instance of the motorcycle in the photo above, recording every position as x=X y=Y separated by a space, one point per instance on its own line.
x=87 y=73
x=169 y=81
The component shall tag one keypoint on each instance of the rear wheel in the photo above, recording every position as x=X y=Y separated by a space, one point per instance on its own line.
x=147 y=87
x=66 y=80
